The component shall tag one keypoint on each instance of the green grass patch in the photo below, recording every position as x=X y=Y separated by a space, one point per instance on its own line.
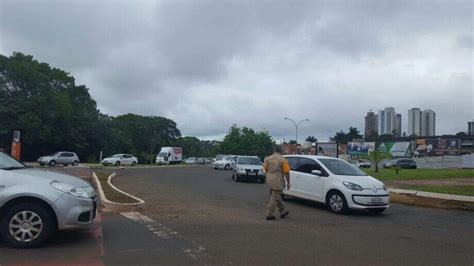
x=455 y=190
x=410 y=174
x=112 y=194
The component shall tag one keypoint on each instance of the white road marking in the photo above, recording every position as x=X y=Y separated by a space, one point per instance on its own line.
x=165 y=232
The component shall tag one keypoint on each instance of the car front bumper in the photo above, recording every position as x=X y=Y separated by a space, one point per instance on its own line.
x=368 y=201
x=74 y=212
x=250 y=175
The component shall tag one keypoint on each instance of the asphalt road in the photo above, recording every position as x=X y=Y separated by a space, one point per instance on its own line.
x=199 y=216
x=224 y=220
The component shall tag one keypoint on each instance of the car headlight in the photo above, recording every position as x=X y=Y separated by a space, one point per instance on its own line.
x=70 y=189
x=352 y=186
x=240 y=169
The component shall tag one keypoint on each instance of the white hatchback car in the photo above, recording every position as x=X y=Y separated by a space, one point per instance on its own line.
x=339 y=184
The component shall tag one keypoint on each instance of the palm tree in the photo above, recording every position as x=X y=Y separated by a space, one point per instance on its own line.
x=377 y=156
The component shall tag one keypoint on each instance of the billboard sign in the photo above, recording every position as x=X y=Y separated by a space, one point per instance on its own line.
x=396 y=149
x=360 y=148
x=437 y=147
x=328 y=149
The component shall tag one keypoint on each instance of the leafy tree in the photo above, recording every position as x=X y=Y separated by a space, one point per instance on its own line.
x=311 y=139
x=246 y=141
x=377 y=156
x=48 y=108
x=293 y=142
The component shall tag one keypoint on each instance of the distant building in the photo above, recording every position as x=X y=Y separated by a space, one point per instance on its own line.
x=414 y=122
x=371 y=124
x=388 y=121
x=470 y=128
x=398 y=124
x=428 y=123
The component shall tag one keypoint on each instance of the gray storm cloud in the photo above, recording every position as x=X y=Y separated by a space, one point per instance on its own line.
x=210 y=64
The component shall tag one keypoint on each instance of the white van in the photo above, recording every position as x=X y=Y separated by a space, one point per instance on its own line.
x=170 y=155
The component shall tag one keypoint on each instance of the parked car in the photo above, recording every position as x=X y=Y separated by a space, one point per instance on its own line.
x=362 y=163
x=34 y=203
x=248 y=167
x=201 y=160
x=225 y=163
x=219 y=157
x=63 y=157
x=404 y=163
x=335 y=182
x=120 y=159
x=190 y=160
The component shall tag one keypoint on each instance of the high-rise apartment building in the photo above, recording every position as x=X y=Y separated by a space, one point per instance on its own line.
x=414 y=122
x=398 y=124
x=388 y=121
x=470 y=128
x=428 y=123
x=371 y=124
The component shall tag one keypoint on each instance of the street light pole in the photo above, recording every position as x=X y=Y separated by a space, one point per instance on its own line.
x=296 y=126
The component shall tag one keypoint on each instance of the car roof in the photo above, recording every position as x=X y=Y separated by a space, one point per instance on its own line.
x=314 y=157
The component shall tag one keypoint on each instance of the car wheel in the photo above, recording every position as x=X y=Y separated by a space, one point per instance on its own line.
x=134 y=163
x=52 y=163
x=75 y=163
x=336 y=202
x=117 y=163
x=26 y=225
x=377 y=210
x=226 y=167
x=261 y=180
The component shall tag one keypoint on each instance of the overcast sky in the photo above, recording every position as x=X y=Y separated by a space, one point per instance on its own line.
x=210 y=64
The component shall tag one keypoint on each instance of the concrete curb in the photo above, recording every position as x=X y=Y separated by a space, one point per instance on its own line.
x=115 y=206
x=432 y=200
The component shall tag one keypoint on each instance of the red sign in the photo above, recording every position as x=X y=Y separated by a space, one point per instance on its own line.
x=16 y=150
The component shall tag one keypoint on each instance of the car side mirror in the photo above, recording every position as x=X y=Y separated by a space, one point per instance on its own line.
x=316 y=172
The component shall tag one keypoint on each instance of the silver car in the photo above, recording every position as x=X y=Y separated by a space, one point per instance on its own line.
x=249 y=168
x=34 y=203
x=225 y=163
x=63 y=157
x=120 y=159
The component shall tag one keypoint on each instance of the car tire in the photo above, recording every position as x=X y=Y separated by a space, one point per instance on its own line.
x=261 y=180
x=134 y=163
x=226 y=167
x=43 y=223
x=336 y=202
x=52 y=163
x=377 y=210
x=75 y=163
x=117 y=163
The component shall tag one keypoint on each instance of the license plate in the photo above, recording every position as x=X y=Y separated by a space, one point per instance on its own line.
x=376 y=200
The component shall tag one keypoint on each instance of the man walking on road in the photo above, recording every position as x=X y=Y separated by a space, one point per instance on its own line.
x=277 y=171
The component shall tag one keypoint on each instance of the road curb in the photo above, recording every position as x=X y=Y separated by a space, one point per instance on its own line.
x=115 y=206
x=431 y=200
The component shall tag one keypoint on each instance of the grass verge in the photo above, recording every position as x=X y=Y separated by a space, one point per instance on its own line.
x=410 y=174
x=110 y=193
x=454 y=190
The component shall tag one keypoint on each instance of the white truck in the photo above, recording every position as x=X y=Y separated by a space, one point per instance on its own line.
x=169 y=155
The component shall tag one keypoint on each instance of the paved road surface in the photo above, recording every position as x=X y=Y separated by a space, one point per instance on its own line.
x=226 y=218
x=199 y=216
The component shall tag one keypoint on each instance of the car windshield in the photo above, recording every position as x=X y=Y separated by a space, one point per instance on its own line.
x=7 y=162
x=340 y=167
x=250 y=160
x=163 y=154
x=117 y=155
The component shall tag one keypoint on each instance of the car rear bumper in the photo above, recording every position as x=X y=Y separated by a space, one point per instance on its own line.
x=74 y=212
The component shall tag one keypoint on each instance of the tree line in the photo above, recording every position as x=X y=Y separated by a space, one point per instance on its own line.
x=53 y=113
